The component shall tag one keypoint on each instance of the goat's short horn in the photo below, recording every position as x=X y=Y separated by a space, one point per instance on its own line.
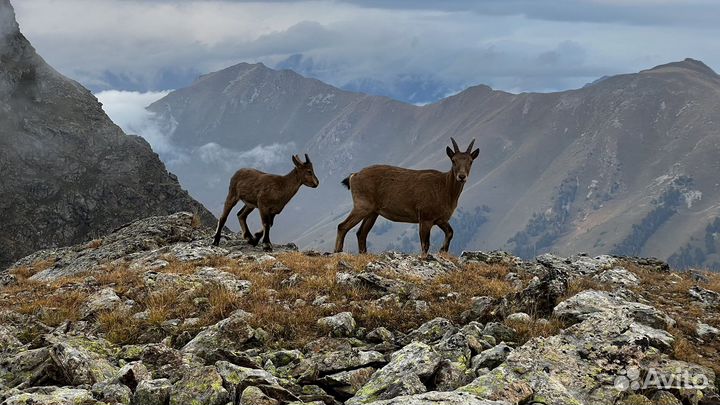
x=307 y=158
x=469 y=149
x=455 y=145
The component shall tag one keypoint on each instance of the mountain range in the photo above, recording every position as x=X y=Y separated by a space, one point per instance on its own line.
x=625 y=165
x=68 y=172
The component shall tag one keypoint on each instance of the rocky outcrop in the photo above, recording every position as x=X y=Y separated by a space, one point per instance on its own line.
x=69 y=173
x=156 y=315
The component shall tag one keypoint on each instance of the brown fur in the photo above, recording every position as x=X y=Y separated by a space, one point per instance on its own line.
x=269 y=193
x=424 y=197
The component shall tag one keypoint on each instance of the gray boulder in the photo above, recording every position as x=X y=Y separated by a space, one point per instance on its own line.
x=439 y=398
x=618 y=276
x=201 y=385
x=152 y=392
x=103 y=300
x=53 y=396
x=232 y=333
x=339 y=325
x=491 y=358
x=404 y=375
x=586 y=303
x=255 y=396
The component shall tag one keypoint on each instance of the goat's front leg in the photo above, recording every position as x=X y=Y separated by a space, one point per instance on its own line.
x=267 y=223
x=425 y=227
x=447 y=229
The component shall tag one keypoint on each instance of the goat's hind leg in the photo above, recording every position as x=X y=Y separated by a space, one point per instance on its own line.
x=362 y=233
x=242 y=218
x=447 y=229
x=230 y=202
x=345 y=226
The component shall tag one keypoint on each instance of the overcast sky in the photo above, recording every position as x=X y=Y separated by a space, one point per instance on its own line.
x=414 y=49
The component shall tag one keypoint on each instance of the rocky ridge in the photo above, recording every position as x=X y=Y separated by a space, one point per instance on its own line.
x=152 y=313
x=68 y=172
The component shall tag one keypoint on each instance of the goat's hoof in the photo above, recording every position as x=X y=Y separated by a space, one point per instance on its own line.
x=216 y=242
x=267 y=247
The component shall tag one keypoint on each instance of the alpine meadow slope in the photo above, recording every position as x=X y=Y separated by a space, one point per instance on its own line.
x=625 y=165
x=68 y=173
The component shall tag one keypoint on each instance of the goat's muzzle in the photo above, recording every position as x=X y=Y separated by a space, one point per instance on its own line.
x=461 y=178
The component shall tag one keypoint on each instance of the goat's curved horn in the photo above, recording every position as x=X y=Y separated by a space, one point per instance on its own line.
x=307 y=158
x=455 y=146
x=469 y=149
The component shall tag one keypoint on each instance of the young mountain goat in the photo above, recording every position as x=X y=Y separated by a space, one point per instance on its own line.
x=425 y=197
x=267 y=192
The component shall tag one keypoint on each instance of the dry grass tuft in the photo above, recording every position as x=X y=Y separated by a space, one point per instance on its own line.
x=119 y=326
x=713 y=282
x=25 y=272
x=533 y=329
x=581 y=284
x=54 y=309
x=94 y=244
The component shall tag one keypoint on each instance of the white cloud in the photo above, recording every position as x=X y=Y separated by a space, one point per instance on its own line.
x=230 y=160
x=512 y=44
x=127 y=110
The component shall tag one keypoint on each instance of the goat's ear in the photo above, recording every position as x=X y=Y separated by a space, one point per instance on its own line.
x=475 y=154
x=296 y=161
x=307 y=158
x=449 y=152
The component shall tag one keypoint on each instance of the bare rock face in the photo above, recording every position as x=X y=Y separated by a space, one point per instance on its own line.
x=68 y=172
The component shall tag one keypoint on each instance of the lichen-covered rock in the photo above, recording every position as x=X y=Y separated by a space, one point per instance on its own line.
x=493 y=257
x=112 y=393
x=152 y=392
x=346 y=359
x=404 y=374
x=618 y=276
x=237 y=378
x=103 y=300
x=346 y=383
x=255 y=396
x=586 y=303
x=579 y=365
x=132 y=374
x=163 y=361
x=491 y=358
x=380 y=335
x=202 y=385
x=451 y=375
x=706 y=331
x=412 y=265
x=232 y=333
x=82 y=360
x=339 y=325
x=501 y=332
x=431 y=331
x=520 y=317
x=53 y=396
x=223 y=279
x=705 y=296
x=439 y=398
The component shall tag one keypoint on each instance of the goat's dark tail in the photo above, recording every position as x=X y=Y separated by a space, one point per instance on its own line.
x=346 y=182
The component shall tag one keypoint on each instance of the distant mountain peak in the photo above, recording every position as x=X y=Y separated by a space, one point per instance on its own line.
x=687 y=64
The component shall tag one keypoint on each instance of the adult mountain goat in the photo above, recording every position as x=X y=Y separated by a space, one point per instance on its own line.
x=269 y=193
x=424 y=197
